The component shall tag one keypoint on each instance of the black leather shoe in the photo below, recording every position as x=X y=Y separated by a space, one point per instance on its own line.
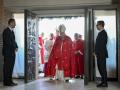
x=9 y=85
x=57 y=79
x=102 y=85
x=14 y=84
x=77 y=77
x=67 y=80
x=81 y=77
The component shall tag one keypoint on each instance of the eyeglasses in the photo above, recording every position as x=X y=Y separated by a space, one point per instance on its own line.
x=97 y=24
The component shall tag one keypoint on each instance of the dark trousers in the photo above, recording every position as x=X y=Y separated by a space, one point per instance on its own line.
x=101 y=62
x=8 y=69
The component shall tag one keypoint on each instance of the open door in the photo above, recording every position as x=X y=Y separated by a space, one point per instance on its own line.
x=89 y=38
x=118 y=43
x=31 y=45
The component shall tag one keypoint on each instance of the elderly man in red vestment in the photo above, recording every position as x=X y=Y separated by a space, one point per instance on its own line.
x=61 y=63
x=79 y=55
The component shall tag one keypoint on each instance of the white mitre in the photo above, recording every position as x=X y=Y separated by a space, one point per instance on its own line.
x=62 y=28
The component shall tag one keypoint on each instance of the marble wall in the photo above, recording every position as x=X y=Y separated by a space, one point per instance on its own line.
x=4 y=16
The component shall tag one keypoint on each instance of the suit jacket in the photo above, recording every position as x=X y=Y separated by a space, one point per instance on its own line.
x=9 y=43
x=100 y=46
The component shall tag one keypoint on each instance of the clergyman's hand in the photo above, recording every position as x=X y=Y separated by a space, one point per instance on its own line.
x=16 y=49
x=94 y=55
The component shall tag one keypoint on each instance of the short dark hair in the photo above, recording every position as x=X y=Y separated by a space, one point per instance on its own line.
x=101 y=23
x=11 y=20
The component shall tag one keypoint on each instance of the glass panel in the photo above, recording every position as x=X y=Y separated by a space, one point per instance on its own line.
x=30 y=46
x=109 y=18
x=19 y=33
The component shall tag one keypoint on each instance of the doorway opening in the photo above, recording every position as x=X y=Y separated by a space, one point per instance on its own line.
x=75 y=24
x=48 y=25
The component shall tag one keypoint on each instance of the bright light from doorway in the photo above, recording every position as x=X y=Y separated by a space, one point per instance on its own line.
x=73 y=25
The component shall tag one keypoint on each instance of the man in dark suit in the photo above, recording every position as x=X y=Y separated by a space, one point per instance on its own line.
x=101 y=53
x=9 y=50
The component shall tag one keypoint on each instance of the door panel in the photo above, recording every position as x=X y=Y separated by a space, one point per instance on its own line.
x=30 y=46
x=118 y=43
x=89 y=62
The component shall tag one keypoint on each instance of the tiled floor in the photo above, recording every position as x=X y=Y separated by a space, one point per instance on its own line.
x=43 y=84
